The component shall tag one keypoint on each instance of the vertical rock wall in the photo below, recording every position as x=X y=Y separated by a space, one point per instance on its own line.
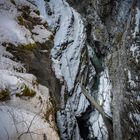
x=114 y=32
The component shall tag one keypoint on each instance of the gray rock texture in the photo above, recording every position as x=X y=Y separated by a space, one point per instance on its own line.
x=115 y=25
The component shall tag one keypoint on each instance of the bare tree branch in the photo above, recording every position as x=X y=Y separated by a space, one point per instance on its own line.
x=6 y=133
x=28 y=130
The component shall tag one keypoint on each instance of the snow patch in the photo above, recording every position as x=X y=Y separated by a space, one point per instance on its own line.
x=104 y=95
x=19 y=123
x=10 y=30
x=135 y=52
x=137 y=22
x=98 y=126
x=130 y=81
x=41 y=34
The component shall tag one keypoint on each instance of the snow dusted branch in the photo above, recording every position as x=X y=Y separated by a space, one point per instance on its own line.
x=28 y=130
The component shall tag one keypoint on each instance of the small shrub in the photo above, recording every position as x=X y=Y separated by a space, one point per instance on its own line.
x=21 y=20
x=26 y=92
x=4 y=95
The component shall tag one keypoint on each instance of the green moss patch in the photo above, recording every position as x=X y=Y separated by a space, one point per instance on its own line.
x=98 y=32
x=26 y=92
x=4 y=95
x=21 y=21
x=29 y=47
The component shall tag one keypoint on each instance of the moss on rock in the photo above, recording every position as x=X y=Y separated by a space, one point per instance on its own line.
x=29 y=47
x=98 y=32
x=21 y=21
x=26 y=92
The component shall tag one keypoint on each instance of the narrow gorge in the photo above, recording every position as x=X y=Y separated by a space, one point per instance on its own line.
x=69 y=69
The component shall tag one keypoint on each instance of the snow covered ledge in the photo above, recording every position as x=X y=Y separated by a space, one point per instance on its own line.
x=26 y=111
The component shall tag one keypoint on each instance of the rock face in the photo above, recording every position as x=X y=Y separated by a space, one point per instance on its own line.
x=70 y=65
x=115 y=24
